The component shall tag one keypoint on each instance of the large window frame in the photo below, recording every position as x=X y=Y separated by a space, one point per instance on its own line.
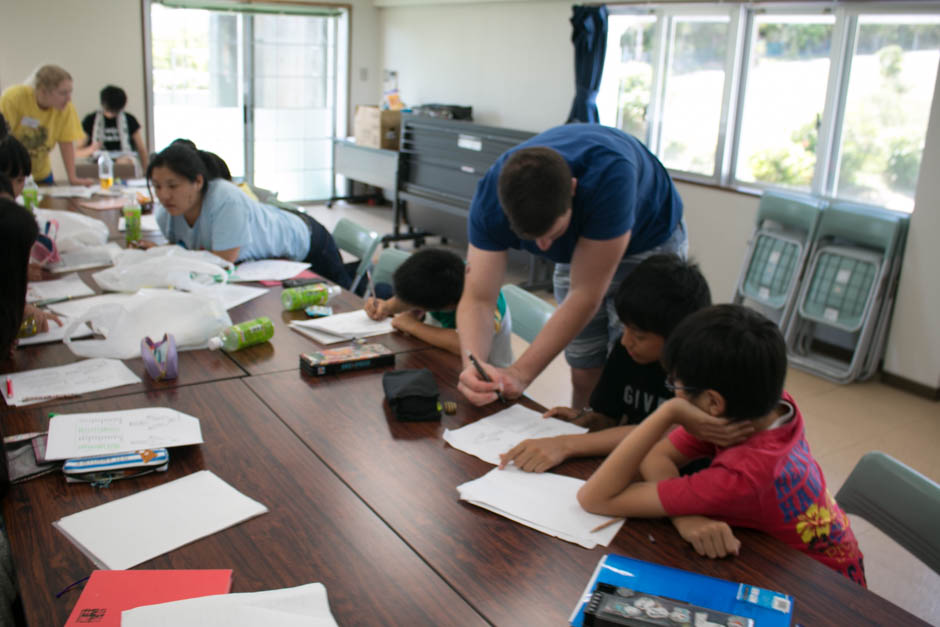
x=741 y=31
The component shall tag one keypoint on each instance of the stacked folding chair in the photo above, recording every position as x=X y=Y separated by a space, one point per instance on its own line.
x=839 y=324
x=779 y=248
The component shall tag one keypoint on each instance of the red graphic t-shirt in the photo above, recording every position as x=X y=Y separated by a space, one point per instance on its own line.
x=770 y=482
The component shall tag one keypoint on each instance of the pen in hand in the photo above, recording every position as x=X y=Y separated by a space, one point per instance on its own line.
x=483 y=375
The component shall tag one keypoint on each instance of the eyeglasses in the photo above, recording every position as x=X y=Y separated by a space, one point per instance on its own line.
x=670 y=385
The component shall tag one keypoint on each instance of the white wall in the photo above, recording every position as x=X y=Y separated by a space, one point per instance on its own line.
x=513 y=62
x=101 y=42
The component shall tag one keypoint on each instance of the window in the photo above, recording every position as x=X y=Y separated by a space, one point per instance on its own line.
x=829 y=101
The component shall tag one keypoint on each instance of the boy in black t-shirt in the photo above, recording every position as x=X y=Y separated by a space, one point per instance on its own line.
x=650 y=302
x=113 y=129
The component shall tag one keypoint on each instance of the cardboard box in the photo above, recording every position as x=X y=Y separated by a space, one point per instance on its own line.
x=377 y=128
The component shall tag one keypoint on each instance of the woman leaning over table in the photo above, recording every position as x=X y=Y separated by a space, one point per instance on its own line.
x=41 y=114
x=18 y=231
x=200 y=210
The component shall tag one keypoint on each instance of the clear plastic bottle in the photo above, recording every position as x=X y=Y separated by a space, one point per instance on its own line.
x=244 y=334
x=28 y=328
x=105 y=170
x=294 y=298
x=30 y=193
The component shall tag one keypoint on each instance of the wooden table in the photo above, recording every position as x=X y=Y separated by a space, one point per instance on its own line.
x=316 y=529
x=511 y=574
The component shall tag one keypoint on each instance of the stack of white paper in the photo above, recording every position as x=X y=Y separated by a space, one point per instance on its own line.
x=231 y=295
x=342 y=327
x=88 y=257
x=88 y=375
x=107 y=432
x=71 y=191
x=303 y=606
x=496 y=434
x=268 y=270
x=136 y=528
x=544 y=501
x=55 y=333
x=70 y=286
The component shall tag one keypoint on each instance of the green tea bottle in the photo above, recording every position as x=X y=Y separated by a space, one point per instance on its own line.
x=295 y=298
x=244 y=334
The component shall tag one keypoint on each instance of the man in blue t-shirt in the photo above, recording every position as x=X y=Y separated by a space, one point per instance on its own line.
x=596 y=202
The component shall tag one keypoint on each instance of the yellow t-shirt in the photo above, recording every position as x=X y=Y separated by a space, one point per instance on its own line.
x=39 y=129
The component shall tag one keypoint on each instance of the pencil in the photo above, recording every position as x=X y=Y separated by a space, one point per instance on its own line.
x=483 y=374
x=50 y=301
x=606 y=523
x=371 y=284
x=9 y=387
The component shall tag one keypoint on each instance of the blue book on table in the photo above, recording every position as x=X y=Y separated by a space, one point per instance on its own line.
x=767 y=608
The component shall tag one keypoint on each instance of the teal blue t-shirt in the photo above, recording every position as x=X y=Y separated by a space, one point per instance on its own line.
x=448 y=319
x=230 y=219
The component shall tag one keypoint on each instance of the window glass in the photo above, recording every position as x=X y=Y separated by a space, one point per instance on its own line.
x=891 y=86
x=779 y=121
x=624 y=95
x=695 y=80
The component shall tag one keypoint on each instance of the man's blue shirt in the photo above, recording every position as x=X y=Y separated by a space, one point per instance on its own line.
x=621 y=187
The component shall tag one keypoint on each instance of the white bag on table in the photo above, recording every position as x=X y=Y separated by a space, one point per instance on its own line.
x=163 y=266
x=76 y=230
x=191 y=318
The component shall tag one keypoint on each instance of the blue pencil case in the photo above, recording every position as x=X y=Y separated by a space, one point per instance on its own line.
x=105 y=468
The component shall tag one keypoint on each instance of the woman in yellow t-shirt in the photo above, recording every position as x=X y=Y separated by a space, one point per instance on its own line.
x=41 y=115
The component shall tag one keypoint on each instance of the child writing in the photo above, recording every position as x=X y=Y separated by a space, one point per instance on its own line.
x=200 y=210
x=650 y=302
x=727 y=365
x=431 y=280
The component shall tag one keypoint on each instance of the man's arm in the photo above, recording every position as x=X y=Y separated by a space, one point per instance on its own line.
x=485 y=272
x=592 y=268
x=68 y=158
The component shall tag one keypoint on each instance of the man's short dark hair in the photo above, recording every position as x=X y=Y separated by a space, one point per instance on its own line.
x=660 y=293
x=534 y=190
x=431 y=278
x=733 y=350
x=113 y=99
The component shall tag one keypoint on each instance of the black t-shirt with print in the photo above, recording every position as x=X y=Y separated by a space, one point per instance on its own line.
x=112 y=138
x=627 y=391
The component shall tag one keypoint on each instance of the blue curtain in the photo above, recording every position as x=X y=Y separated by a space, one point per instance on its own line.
x=589 y=36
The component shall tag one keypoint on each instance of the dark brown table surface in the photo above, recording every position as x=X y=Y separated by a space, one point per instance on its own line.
x=511 y=574
x=316 y=529
x=282 y=353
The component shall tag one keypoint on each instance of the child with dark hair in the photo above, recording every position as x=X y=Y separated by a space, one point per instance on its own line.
x=112 y=129
x=650 y=303
x=427 y=288
x=727 y=365
x=18 y=231
x=15 y=162
x=202 y=211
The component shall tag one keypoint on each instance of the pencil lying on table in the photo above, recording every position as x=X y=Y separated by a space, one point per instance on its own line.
x=607 y=523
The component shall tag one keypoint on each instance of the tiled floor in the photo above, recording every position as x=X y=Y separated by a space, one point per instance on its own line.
x=842 y=423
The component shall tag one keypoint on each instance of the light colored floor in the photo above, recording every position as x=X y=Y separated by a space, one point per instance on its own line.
x=842 y=422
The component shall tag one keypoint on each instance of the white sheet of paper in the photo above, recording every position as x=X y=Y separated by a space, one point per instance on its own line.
x=231 y=295
x=70 y=191
x=303 y=606
x=268 y=270
x=55 y=333
x=88 y=257
x=162 y=519
x=88 y=375
x=491 y=436
x=77 y=308
x=70 y=286
x=106 y=432
x=544 y=501
x=342 y=327
x=148 y=222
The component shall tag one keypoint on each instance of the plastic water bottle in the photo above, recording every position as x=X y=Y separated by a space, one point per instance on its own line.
x=244 y=334
x=295 y=298
x=105 y=170
x=132 y=223
x=28 y=328
x=30 y=193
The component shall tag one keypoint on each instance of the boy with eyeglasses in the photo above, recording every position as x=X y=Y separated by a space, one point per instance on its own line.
x=728 y=365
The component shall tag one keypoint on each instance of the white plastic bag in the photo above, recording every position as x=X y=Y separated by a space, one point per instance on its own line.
x=76 y=230
x=163 y=266
x=191 y=318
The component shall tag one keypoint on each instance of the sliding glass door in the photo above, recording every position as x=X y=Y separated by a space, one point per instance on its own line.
x=266 y=92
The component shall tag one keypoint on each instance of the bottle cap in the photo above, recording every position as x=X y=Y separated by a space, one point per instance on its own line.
x=215 y=343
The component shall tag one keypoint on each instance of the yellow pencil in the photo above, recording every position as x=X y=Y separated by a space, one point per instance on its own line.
x=606 y=523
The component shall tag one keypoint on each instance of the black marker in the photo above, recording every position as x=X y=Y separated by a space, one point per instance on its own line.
x=483 y=374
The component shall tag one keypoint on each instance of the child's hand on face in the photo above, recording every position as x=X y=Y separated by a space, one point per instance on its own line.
x=377 y=309
x=719 y=431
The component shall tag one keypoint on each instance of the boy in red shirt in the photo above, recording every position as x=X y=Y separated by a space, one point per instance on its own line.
x=727 y=364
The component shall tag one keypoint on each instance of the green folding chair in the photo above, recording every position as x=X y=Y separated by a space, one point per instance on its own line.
x=779 y=247
x=900 y=501
x=844 y=301
x=529 y=312
x=388 y=261
x=361 y=243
